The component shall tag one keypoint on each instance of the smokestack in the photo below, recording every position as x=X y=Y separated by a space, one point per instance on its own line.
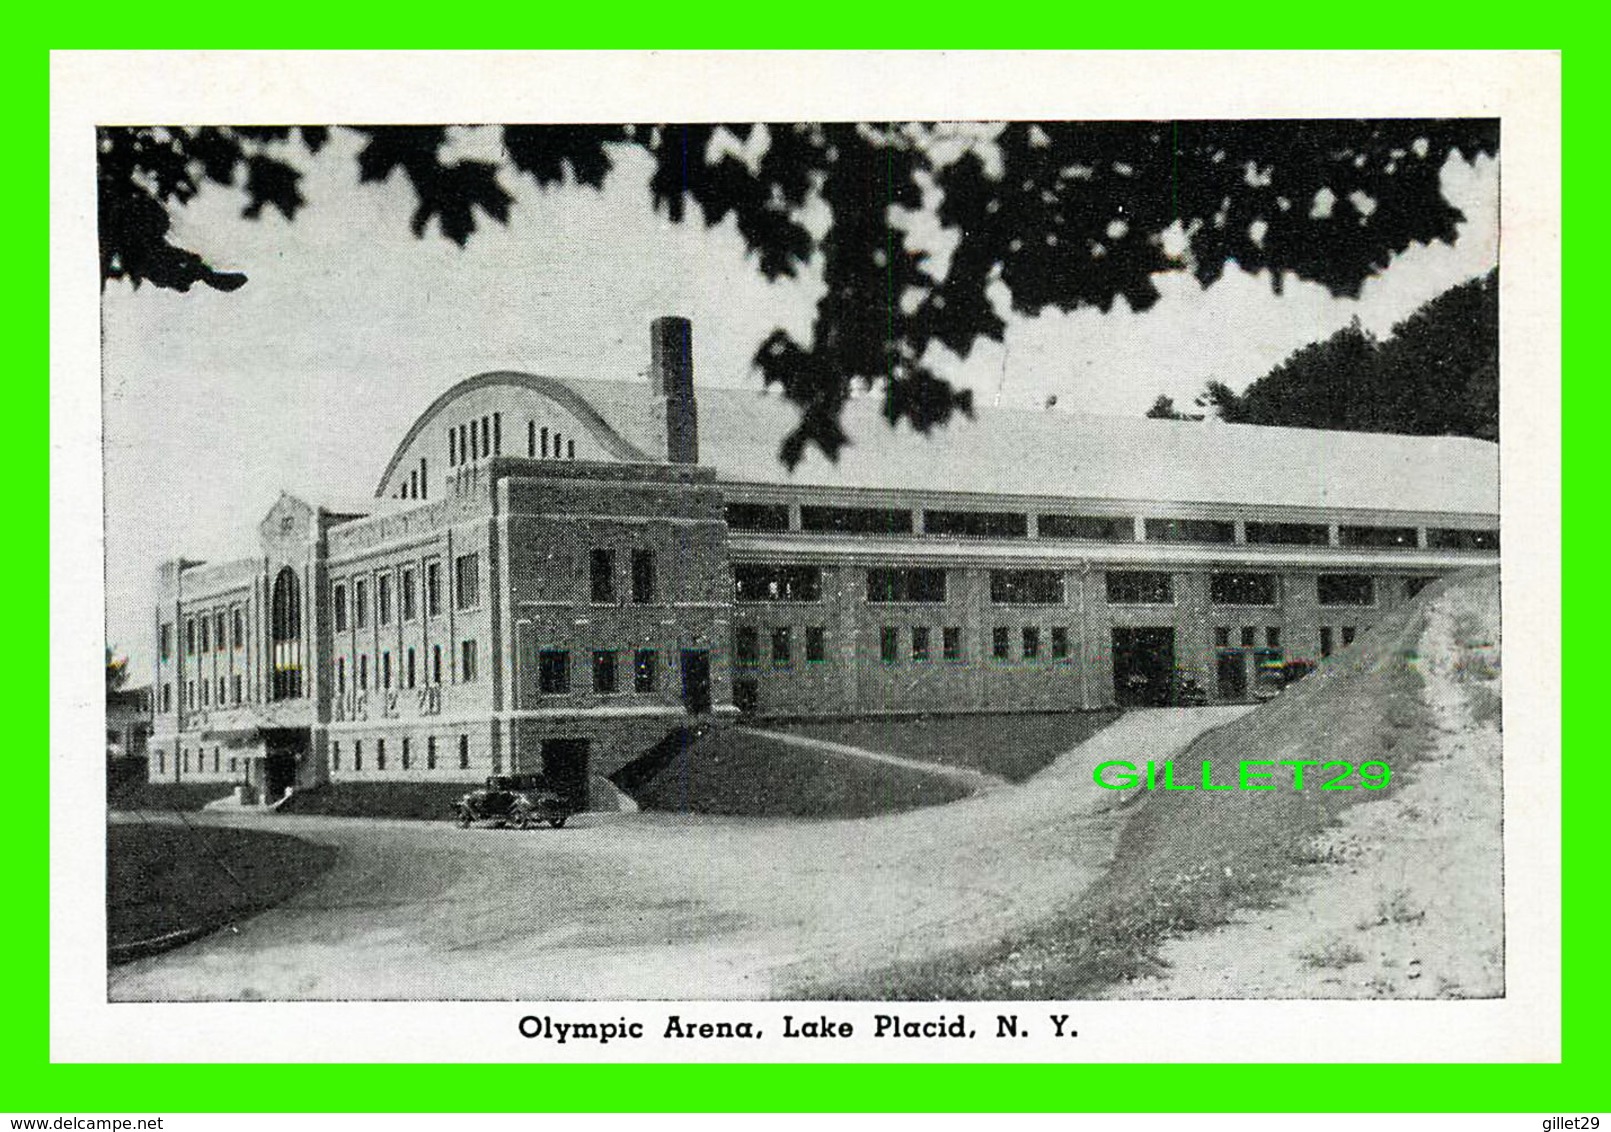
x=671 y=375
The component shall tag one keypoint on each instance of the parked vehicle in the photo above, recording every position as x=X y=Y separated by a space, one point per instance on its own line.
x=1184 y=691
x=516 y=801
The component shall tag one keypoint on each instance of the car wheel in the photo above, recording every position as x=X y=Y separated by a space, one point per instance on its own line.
x=465 y=817
x=557 y=820
x=519 y=819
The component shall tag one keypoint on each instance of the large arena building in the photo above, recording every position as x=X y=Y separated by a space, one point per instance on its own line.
x=555 y=574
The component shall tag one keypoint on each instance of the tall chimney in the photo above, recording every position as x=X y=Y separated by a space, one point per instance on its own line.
x=671 y=375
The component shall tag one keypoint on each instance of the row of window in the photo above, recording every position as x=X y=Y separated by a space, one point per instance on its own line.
x=406 y=754
x=411 y=673
x=477 y=439
x=201 y=693
x=554 y=671
x=917 y=643
x=601 y=576
x=396 y=590
x=415 y=486
x=206 y=632
x=758 y=582
x=747 y=516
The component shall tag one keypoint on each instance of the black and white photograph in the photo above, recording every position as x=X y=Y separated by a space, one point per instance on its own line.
x=921 y=567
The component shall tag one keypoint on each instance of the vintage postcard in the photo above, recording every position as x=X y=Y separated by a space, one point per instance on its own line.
x=807 y=557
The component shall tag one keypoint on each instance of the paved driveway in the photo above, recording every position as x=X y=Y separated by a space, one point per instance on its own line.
x=656 y=906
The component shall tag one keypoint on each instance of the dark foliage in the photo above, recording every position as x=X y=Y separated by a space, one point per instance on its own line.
x=1061 y=215
x=1436 y=375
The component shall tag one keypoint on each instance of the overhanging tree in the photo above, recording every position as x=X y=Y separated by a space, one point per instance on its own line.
x=1059 y=215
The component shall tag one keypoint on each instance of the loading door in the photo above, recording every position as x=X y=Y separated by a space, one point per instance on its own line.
x=1232 y=673
x=696 y=680
x=565 y=768
x=1143 y=662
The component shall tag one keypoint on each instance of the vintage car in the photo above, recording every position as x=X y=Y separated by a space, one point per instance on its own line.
x=517 y=801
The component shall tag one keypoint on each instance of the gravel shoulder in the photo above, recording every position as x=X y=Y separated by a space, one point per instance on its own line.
x=657 y=906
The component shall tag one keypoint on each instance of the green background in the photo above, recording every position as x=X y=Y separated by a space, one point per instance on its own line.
x=29 y=1083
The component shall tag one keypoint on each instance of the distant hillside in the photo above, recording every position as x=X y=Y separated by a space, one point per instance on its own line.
x=1437 y=374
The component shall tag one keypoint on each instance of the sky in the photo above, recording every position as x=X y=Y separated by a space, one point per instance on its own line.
x=306 y=378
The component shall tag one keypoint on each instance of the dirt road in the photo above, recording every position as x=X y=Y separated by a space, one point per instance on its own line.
x=647 y=906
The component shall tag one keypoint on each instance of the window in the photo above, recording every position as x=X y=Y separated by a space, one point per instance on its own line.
x=759 y=516
x=380 y=754
x=1105 y=528
x=1249 y=637
x=1031 y=642
x=601 y=570
x=363 y=672
x=604 y=671
x=466 y=661
x=486 y=437
x=1325 y=640
x=218 y=631
x=162 y=762
x=1272 y=636
x=405 y=753
x=889 y=644
x=360 y=603
x=206 y=622
x=386 y=669
x=1289 y=534
x=341 y=675
x=816 y=643
x=1026 y=587
x=1346 y=589
x=553 y=672
x=236 y=690
x=475 y=439
x=1059 y=642
x=645 y=665
x=436 y=664
x=1140 y=587
x=497 y=434
x=338 y=602
x=1413 y=586
x=464 y=752
x=410 y=603
x=467 y=579
x=411 y=666
x=545 y=440
x=570 y=450
x=905 y=584
x=184 y=756
x=217 y=761
x=433 y=588
x=165 y=640
x=358 y=755
x=643 y=587
x=757 y=582
x=206 y=689
x=1378 y=538
x=951 y=642
x=1190 y=530
x=782 y=647
x=190 y=636
x=855 y=521
x=920 y=642
x=1445 y=538
x=383 y=599
x=190 y=694
x=1242 y=589
x=977 y=524
x=167 y=697
x=335 y=757
x=747 y=645
x=1000 y=643
x=1222 y=637
x=430 y=752
x=1348 y=635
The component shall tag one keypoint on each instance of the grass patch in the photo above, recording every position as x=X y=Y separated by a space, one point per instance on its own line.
x=1187 y=861
x=1009 y=746
x=420 y=801
x=1333 y=954
x=186 y=796
x=169 y=884
x=725 y=772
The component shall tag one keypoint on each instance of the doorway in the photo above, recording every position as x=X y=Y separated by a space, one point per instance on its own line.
x=1143 y=663
x=284 y=750
x=696 y=681
x=1232 y=675
x=565 y=769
